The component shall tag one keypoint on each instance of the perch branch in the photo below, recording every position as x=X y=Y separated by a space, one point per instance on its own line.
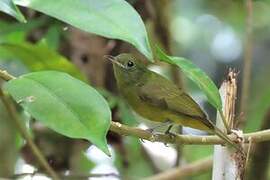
x=70 y=176
x=259 y=136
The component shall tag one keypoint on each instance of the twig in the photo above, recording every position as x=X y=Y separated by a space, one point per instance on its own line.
x=259 y=136
x=13 y=114
x=259 y=155
x=184 y=171
x=247 y=62
x=71 y=176
x=5 y=75
x=248 y=152
x=225 y=123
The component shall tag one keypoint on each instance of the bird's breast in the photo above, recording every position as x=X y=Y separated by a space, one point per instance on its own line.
x=158 y=114
x=143 y=108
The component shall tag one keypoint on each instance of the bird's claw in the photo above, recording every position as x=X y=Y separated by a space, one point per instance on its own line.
x=171 y=136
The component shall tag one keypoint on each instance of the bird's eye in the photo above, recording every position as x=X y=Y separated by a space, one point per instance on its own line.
x=130 y=64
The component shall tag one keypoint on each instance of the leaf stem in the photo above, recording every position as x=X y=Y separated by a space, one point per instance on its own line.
x=224 y=121
x=13 y=114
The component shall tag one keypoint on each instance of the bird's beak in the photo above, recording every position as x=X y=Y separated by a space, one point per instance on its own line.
x=113 y=60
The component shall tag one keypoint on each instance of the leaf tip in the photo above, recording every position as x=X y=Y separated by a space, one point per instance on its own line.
x=105 y=149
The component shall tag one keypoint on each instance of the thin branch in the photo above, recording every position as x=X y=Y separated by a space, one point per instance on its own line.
x=194 y=168
x=70 y=176
x=121 y=129
x=5 y=75
x=247 y=62
x=13 y=114
x=225 y=123
x=260 y=157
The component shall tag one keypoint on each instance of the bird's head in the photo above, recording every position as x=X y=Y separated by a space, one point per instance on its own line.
x=127 y=68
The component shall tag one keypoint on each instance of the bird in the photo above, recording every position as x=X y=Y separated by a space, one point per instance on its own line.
x=158 y=99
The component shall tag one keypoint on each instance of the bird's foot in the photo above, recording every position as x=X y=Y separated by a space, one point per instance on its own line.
x=167 y=132
x=170 y=134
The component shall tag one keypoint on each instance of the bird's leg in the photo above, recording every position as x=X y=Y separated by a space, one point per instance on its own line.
x=151 y=130
x=167 y=132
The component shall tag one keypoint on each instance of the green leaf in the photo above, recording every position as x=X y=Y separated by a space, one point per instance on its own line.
x=64 y=104
x=196 y=75
x=40 y=57
x=7 y=6
x=112 y=19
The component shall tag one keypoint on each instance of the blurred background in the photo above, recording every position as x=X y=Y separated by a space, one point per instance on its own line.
x=212 y=34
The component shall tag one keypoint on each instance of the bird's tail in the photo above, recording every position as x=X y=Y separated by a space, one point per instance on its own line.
x=223 y=136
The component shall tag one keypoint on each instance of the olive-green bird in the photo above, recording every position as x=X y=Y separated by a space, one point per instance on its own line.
x=156 y=98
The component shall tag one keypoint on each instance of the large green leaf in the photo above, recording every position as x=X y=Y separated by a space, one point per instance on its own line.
x=40 y=57
x=196 y=75
x=7 y=6
x=65 y=104
x=109 y=18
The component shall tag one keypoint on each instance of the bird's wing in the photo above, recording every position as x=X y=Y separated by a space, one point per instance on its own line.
x=167 y=96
